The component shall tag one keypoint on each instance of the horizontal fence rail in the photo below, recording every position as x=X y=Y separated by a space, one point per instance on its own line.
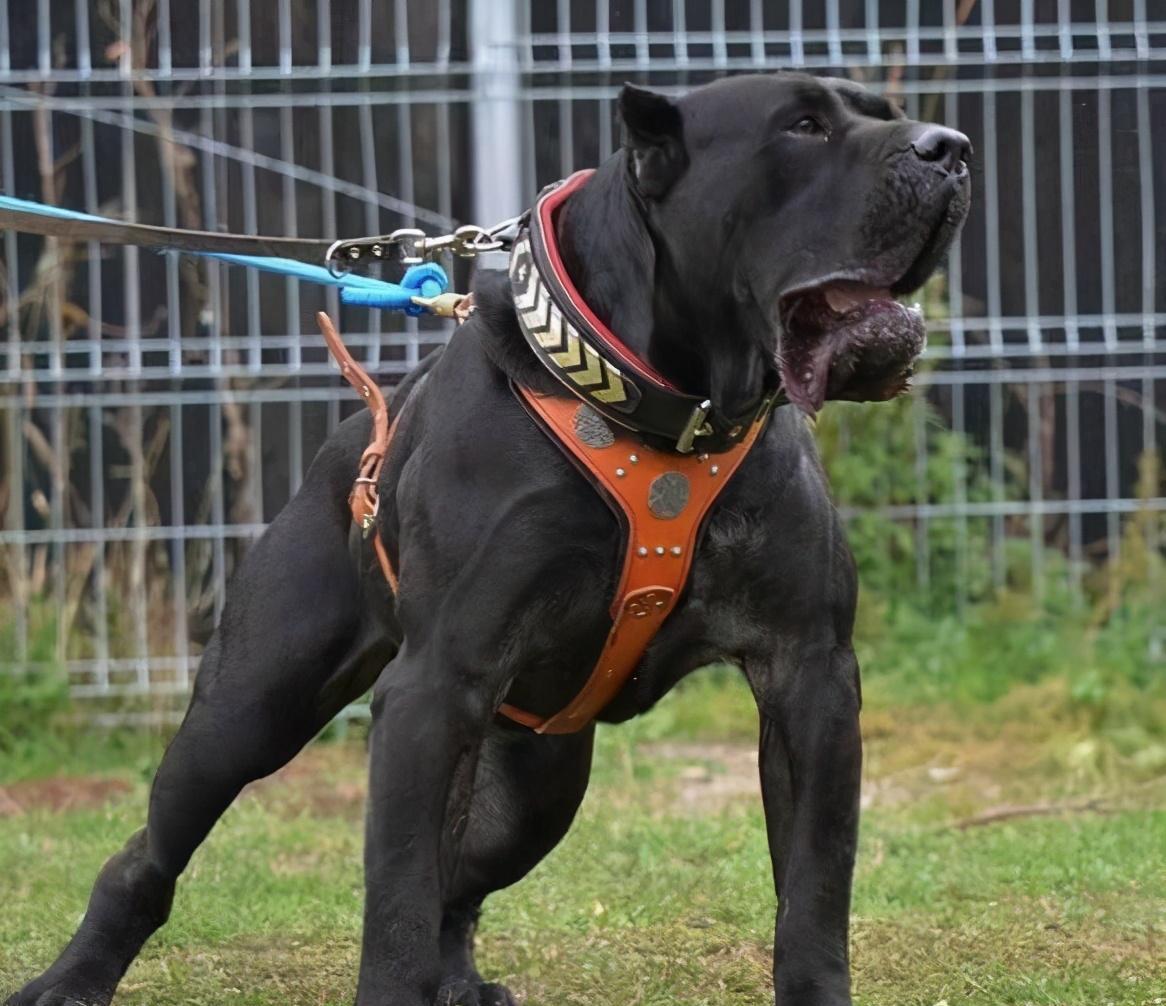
x=155 y=413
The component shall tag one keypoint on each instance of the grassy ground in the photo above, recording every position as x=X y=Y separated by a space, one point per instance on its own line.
x=662 y=892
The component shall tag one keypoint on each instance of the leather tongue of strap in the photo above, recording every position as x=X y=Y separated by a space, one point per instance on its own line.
x=365 y=497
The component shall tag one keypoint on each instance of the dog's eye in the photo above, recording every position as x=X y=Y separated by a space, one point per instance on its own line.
x=808 y=126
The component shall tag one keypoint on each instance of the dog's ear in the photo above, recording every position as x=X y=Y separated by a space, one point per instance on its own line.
x=654 y=137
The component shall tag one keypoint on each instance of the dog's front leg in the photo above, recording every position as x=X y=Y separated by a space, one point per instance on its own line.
x=811 y=765
x=428 y=724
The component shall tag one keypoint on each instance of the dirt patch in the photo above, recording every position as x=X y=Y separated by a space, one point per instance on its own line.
x=710 y=776
x=326 y=780
x=59 y=794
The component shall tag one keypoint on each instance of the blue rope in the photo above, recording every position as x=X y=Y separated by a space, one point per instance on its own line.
x=425 y=280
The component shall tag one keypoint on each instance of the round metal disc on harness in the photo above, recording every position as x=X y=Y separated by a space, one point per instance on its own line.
x=668 y=495
x=592 y=428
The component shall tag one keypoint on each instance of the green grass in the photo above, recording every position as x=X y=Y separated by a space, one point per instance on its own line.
x=662 y=893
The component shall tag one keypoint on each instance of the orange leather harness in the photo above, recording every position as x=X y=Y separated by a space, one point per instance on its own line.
x=661 y=496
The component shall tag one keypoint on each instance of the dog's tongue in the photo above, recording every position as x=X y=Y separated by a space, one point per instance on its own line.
x=844 y=297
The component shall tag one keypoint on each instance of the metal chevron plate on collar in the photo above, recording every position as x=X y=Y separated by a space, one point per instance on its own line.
x=559 y=343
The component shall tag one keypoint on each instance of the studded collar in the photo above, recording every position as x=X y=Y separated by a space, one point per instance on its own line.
x=592 y=362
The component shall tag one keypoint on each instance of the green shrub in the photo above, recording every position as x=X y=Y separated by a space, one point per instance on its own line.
x=31 y=699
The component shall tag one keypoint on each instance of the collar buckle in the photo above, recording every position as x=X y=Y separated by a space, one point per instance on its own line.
x=695 y=427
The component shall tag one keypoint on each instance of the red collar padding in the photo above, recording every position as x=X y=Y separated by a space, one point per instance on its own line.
x=546 y=209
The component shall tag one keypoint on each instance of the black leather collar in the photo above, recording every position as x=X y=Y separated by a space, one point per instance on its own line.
x=592 y=363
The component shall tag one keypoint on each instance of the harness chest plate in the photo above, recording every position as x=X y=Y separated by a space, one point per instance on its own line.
x=662 y=499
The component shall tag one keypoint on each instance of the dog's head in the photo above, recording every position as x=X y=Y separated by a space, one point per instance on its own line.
x=803 y=207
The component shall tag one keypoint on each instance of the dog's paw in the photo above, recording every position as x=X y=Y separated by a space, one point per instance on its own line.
x=457 y=992
x=491 y=994
x=41 y=993
x=460 y=992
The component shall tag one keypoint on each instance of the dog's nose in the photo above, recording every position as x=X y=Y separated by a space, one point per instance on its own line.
x=948 y=147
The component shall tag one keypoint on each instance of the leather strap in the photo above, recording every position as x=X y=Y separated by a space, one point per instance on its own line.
x=122 y=232
x=663 y=499
x=365 y=496
x=592 y=362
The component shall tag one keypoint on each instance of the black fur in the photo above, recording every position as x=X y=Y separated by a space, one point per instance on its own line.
x=684 y=242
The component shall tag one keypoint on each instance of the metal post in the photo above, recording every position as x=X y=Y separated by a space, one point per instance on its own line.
x=500 y=185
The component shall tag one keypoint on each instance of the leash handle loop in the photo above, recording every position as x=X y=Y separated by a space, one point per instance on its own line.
x=427 y=281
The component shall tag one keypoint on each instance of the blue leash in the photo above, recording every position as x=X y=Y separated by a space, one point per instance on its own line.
x=426 y=281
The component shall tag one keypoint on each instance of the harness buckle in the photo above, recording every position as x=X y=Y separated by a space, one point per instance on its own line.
x=368 y=519
x=695 y=427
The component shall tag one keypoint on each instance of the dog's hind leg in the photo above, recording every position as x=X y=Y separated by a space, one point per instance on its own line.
x=526 y=792
x=292 y=649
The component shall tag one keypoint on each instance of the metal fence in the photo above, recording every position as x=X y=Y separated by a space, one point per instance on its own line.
x=156 y=413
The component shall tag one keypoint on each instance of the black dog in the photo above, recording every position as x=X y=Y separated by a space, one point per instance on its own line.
x=758 y=226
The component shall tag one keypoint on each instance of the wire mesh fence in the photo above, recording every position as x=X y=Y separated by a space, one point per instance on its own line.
x=155 y=412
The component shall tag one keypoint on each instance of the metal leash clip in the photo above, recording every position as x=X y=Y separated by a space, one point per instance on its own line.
x=410 y=246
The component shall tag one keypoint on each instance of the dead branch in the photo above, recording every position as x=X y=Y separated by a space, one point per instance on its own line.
x=1010 y=812
x=1105 y=804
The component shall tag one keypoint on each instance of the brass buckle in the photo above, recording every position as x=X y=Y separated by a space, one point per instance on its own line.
x=368 y=520
x=694 y=427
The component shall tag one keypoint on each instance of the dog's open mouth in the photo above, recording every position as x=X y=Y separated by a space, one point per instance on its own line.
x=847 y=340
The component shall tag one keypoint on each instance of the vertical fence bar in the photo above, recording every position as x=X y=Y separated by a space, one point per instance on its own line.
x=405 y=162
x=720 y=51
x=1150 y=450
x=641 y=29
x=1109 y=328
x=178 y=546
x=290 y=221
x=214 y=182
x=679 y=34
x=1034 y=397
x=17 y=558
x=324 y=35
x=603 y=31
x=1027 y=35
x=497 y=109
x=327 y=151
x=757 y=31
x=1105 y=218
x=1069 y=277
x=988 y=29
x=1034 y=394
x=912 y=33
x=958 y=391
x=1101 y=23
x=100 y=578
x=797 y=52
x=874 y=45
x=165 y=54
x=833 y=39
x=563 y=24
x=368 y=163
x=364 y=43
x=922 y=495
x=996 y=475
